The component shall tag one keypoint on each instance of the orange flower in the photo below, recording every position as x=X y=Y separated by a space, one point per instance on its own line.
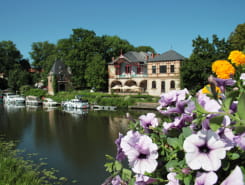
x=207 y=89
x=223 y=69
x=237 y=57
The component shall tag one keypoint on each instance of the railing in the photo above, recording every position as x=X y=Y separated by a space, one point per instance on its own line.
x=132 y=76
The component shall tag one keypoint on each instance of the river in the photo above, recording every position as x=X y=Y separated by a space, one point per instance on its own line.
x=73 y=143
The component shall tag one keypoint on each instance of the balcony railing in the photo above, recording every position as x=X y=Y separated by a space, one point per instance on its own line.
x=131 y=76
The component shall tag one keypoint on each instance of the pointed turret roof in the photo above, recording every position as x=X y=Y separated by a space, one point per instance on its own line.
x=59 y=67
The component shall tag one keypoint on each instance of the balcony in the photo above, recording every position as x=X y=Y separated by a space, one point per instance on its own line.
x=132 y=76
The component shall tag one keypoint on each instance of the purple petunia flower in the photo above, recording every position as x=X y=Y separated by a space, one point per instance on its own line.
x=172 y=97
x=204 y=150
x=117 y=180
x=141 y=152
x=143 y=180
x=178 y=122
x=235 y=178
x=148 y=120
x=171 y=179
x=120 y=155
x=209 y=178
x=240 y=140
x=222 y=83
x=208 y=104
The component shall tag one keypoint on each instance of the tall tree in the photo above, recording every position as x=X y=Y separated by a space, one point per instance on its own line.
x=40 y=53
x=196 y=69
x=9 y=56
x=237 y=38
x=96 y=72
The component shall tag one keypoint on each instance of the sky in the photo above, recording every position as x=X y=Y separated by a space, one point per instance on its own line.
x=160 y=24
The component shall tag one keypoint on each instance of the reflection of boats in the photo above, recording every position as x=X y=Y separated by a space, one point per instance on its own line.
x=75 y=111
x=48 y=102
x=101 y=107
x=76 y=103
x=33 y=100
x=13 y=107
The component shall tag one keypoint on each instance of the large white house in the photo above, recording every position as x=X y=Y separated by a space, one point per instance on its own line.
x=145 y=73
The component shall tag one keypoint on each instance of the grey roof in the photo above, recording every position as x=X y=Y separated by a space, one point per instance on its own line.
x=133 y=56
x=58 y=67
x=170 y=55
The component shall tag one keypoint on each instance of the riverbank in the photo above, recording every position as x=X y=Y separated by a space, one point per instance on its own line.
x=98 y=98
x=19 y=171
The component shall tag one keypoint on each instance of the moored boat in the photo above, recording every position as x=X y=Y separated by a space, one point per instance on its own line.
x=33 y=100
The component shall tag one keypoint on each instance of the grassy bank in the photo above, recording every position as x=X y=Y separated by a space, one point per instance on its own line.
x=121 y=101
x=15 y=170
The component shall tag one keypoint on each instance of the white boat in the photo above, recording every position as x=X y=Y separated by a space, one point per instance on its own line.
x=102 y=107
x=48 y=102
x=33 y=101
x=76 y=103
x=11 y=98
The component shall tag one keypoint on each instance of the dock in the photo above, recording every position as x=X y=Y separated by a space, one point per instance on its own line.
x=144 y=105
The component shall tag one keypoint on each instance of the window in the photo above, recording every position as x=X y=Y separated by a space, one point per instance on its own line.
x=163 y=69
x=154 y=70
x=163 y=86
x=172 y=68
x=172 y=85
x=153 y=85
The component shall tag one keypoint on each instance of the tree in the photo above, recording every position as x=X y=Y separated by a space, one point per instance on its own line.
x=145 y=49
x=237 y=38
x=17 y=78
x=96 y=72
x=196 y=69
x=9 y=56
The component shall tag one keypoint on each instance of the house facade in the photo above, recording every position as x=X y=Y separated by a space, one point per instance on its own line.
x=145 y=73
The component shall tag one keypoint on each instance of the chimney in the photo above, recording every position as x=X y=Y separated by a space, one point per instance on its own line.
x=152 y=55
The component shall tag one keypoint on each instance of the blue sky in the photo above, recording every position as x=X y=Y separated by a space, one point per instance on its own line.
x=161 y=24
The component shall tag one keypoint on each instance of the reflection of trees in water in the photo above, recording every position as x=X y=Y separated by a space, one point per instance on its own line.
x=13 y=121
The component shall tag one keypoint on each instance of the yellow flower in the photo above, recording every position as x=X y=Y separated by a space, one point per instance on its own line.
x=207 y=89
x=237 y=57
x=223 y=69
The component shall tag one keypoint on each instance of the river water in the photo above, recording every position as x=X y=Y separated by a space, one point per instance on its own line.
x=75 y=143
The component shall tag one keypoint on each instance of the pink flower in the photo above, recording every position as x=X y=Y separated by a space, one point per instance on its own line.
x=235 y=178
x=171 y=179
x=204 y=150
x=148 y=120
x=141 y=152
x=209 y=178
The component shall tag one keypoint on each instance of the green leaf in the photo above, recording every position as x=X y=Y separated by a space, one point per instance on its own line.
x=241 y=107
x=117 y=166
x=171 y=164
x=199 y=108
x=187 y=180
x=214 y=126
x=126 y=174
x=235 y=156
x=216 y=122
x=186 y=131
x=109 y=167
x=174 y=142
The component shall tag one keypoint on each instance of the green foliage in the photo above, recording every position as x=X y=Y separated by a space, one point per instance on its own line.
x=95 y=74
x=24 y=89
x=196 y=69
x=35 y=92
x=17 y=78
x=237 y=38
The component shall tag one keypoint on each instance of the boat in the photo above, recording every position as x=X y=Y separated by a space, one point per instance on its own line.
x=75 y=103
x=33 y=101
x=11 y=98
x=48 y=102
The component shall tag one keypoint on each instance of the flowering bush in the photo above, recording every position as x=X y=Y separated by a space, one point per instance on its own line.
x=200 y=141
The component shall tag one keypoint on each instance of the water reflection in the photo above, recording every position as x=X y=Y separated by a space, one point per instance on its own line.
x=74 y=143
